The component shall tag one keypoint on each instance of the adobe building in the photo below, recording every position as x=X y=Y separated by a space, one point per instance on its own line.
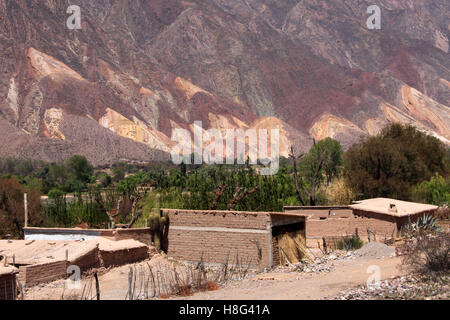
x=220 y=236
x=215 y=236
x=8 y=284
x=379 y=218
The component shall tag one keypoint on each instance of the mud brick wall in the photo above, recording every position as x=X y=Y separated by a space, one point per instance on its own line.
x=122 y=257
x=8 y=287
x=215 y=236
x=141 y=235
x=275 y=251
x=87 y=261
x=382 y=226
x=41 y=273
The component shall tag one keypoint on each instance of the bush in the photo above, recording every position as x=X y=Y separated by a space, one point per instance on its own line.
x=435 y=191
x=427 y=253
x=350 y=243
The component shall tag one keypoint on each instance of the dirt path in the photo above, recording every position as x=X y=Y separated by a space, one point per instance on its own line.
x=301 y=286
x=267 y=286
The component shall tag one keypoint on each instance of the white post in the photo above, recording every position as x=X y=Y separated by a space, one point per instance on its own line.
x=25 y=205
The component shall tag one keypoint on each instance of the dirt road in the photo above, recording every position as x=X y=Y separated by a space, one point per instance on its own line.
x=301 y=286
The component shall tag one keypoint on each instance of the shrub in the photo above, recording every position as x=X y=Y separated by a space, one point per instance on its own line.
x=338 y=193
x=350 y=243
x=427 y=253
x=435 y=191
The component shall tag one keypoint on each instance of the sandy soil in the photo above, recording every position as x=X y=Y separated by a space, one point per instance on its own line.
x=301 y=286
x=273 y=285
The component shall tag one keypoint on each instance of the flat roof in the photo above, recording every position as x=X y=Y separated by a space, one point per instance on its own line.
x=29 y=252
x=392 y=207
x=8 y=270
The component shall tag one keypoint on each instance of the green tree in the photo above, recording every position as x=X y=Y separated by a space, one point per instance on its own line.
x=390 y=164
x=80 y=168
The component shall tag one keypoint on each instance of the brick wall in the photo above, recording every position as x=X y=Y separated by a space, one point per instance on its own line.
x=40 y=273
x=8 y=287
x=216 y=235
x=122 y=257
x=141 y=235
x=87 y=261
x=341 y=221
x=223 y=219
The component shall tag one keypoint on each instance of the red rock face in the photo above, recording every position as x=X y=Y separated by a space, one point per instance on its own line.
x=138 y=69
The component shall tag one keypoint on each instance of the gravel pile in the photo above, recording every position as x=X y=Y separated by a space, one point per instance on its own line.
x=374 y=250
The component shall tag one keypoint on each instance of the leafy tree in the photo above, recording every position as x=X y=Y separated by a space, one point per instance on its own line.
x=58 y=174
x=80 y=168
x=118 y=173
x=388 y=165
x=322 y=163
x=105 y=179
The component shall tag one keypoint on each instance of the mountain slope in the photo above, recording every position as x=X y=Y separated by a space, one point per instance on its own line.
x=138 y=69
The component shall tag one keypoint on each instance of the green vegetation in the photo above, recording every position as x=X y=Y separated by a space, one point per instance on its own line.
x=350 y=243
x=400 y=162
x=391 y=164
x=435 y=191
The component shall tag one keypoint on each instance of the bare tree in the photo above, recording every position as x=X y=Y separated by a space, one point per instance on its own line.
x=294 y=159
x=113 y=213
x=239 y=195
x=315 y=179
x=217 y=195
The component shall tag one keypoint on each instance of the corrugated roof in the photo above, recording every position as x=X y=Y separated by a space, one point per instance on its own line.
x=392 y=207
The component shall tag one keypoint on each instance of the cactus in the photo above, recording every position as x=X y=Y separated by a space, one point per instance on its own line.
x=158 y=224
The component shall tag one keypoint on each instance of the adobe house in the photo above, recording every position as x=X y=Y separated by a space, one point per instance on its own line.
x=8 y=284
x=380 y=218
x=218 y=236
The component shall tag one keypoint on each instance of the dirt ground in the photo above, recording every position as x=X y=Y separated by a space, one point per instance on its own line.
x=301 y=286
x=271 y=286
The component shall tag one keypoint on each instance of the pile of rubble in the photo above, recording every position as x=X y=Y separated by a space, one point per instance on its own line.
x=375 y=250
x=400 y=288
x=372 y=250
x=322 y=264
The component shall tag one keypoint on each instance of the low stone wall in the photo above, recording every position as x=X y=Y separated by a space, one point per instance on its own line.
x=40 y=273
x=122 y=257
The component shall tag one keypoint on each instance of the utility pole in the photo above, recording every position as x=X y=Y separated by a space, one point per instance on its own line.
x=25 y=206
